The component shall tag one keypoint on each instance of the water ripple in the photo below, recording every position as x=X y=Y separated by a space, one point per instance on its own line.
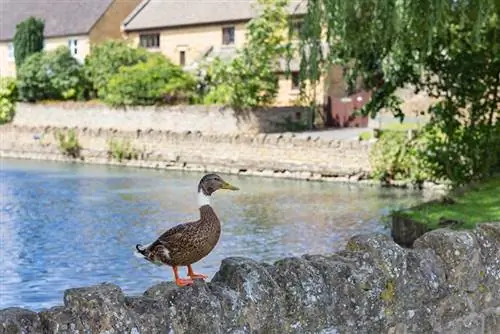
x=66 y=226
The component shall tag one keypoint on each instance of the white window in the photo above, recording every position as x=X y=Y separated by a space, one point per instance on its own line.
x=73 y=47
x=10 y=55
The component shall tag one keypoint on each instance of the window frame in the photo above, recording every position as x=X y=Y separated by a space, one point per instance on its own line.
x=11 y=54
x=152 y=40
x=229 y=28
x=73 y=46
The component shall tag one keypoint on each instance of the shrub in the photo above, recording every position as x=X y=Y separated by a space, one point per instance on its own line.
x=68 y=143
x=105 y=61
x=398 y=156
x=157 y=81
x=28 y=39
x=8 y=97
x=123 y=149
x=51 y=75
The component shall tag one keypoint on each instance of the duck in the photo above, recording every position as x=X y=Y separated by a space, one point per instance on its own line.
x=187 y=243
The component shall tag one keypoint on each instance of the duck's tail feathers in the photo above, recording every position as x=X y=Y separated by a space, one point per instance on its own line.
x=140 y=251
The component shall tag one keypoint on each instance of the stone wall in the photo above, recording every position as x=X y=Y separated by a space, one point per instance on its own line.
x=448 y=283
x=205 y=119
x=282 y=154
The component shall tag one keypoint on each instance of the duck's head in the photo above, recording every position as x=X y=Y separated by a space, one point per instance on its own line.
x=210 y=183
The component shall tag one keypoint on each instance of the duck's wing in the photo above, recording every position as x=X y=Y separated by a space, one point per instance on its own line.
x=176 y=239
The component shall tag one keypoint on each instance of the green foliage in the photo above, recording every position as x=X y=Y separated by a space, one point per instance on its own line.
x=51 y=75
x=156 y=81
x=8 y=98
x=366 y=135
x=398 y=156
x=123 y=149
x=449 y=49
x=28 y=39
x=106 y=59
x=476 y=203
x=249 y=80
x=68 y=143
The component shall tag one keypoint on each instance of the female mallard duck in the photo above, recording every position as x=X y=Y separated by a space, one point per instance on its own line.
x=185 y=244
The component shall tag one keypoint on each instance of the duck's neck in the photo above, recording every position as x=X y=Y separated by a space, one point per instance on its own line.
x=203 y=199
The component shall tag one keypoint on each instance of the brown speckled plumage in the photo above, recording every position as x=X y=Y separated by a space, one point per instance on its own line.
x=188 y=243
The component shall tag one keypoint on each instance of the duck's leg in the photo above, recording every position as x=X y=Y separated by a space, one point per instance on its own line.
x=181 y=281
x=194 y=275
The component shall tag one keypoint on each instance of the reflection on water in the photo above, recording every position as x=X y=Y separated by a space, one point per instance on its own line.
x=68 y=225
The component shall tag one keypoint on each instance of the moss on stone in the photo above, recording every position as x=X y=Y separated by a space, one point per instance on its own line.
x=389 y=292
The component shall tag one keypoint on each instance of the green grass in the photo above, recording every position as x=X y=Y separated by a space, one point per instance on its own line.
x=398 y=126
x=477 y=204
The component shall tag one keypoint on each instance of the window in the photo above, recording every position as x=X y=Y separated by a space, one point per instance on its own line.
x=295 y=80
x=227 y=35
x=10 y=55
x=182 y=58
x=296 y=27
x=150 y=41
x=73 y=46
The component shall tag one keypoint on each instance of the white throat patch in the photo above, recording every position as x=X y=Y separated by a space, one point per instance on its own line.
x=203 y=199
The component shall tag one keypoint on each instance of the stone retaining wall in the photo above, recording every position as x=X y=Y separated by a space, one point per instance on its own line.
x=206 y=119
x=448 y=283
x=266 y=153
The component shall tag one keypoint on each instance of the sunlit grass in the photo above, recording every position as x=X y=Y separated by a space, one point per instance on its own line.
x=398 y=126
x=480 y=203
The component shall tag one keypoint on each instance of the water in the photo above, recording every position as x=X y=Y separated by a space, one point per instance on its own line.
x=65 y=225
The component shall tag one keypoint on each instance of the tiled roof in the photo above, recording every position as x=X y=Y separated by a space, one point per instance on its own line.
x=62 y=17
x=151 y=14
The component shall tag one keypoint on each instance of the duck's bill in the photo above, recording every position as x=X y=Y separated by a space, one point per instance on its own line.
x=228 y=186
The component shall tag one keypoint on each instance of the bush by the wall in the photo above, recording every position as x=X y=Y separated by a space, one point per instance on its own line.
x=398 y=156
x=106 y=59
x=68 y=143
x=51 y=75
x=122 y=149
x=8 y=97
x=156 y=81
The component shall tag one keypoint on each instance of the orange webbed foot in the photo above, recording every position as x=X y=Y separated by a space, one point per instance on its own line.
x=194 y=275
x=183 y=282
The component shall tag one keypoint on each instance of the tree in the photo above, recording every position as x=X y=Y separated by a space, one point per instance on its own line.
x=28 y=39
x=448 y=48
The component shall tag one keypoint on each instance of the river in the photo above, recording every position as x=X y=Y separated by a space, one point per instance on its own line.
x=73 y=225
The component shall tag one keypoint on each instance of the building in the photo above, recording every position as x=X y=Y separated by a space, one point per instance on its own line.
x=189 y=31
x=75 y=23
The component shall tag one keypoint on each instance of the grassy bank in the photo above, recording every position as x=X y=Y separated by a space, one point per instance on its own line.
x=464 y=208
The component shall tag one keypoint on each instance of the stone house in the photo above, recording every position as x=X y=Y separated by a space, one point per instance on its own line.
x=75 y=23
x=189 y=31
